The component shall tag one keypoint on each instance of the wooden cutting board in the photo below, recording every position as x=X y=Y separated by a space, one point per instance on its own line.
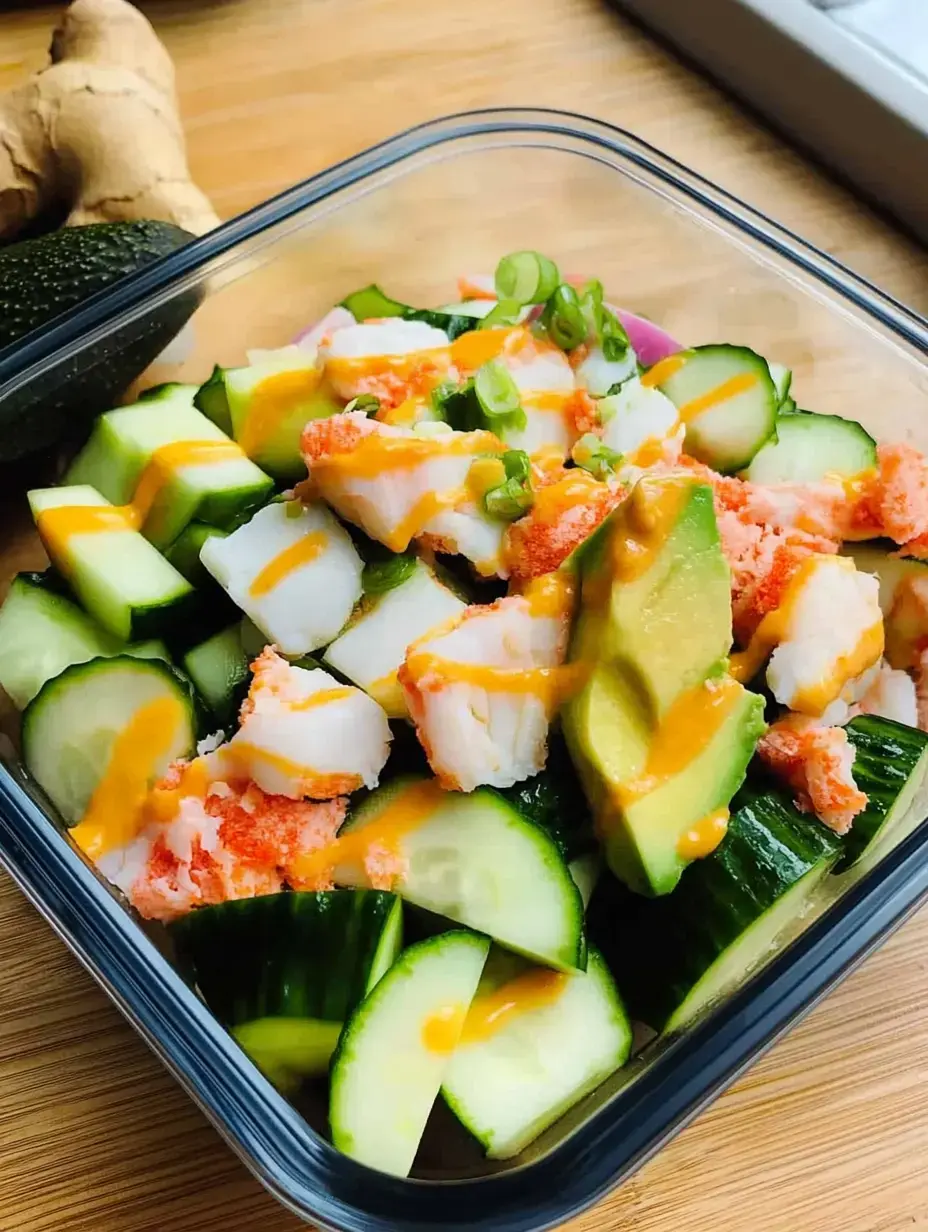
x=829 y=1133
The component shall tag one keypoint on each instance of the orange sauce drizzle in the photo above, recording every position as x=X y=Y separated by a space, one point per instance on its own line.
x=551 y=594
x=648 y=517
x=814 y=699
x=272 y=403
x=57 y=526
x=478 y=346
x=322 y=697
x=116 y=808
x=663 y=370
x=428 y=506
x=375 y=454
x=493 y=1011
x=731 y=388
x=410 y=808
x=555 y=499
x=163 y=803
x=164 y=464
x=551 y=685
x=286 y=562
x=687 y=728
x=703 y=838
x=441 y=1031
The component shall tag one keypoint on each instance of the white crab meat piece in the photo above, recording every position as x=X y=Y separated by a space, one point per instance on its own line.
x=390 y=359
x=891 y=695
x=635 y=415
x=481 y=691
x=293 y=570
x=597 y=374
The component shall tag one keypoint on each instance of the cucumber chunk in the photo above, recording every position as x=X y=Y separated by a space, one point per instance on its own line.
x=184 y=552
x=43 y=632
x=374 y=644
x=890 y=763
x=126 y=442
x=808 y=447
x=283 y=972
x=675 y=956
x=554 y=800
x=534 y=1043
x=903 y=604
x=218 y=668
x=395 y=1049
x=71 y=727
x=371 y=302
x=782 y=378
x=298 y=578
x=728 y=400
x=475 y=860
x=119 y=577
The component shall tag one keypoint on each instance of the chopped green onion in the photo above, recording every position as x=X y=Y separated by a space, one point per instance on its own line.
x=367 y=403
x=293 y=508
x=563 y=318
x=514 y=497
x=498 y=395
x=383 y=574
x=506 y=312
x=372 y=302
x=526 y=277
x=603 y=324
x=593 y=455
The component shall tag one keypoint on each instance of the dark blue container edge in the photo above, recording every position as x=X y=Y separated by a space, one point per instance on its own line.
x=293 y=1162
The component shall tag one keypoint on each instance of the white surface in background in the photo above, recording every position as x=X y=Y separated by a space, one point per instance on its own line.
x=897 y=27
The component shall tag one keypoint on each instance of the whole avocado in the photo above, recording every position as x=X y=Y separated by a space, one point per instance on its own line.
x=45 y=278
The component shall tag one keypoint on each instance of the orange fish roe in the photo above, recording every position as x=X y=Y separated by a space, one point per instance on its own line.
x=326 y=438
x=273 y=830
x=816 y=763
x=580 y=410
x=542 y=540
x=897 y=503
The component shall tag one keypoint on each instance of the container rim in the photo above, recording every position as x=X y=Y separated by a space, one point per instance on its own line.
x=293 y=1162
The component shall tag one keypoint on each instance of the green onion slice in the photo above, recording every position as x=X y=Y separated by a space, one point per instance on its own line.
x=506 y=312
x=593 y=455
x=526 y=278
x=514 y=497
x=367 y=403
x=604 y=324
x=498 y=395
x=563 y=318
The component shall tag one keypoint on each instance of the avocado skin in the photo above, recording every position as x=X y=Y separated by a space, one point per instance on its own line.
x=45 y=278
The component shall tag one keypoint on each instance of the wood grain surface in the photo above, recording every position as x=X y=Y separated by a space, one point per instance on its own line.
x=828 y=1133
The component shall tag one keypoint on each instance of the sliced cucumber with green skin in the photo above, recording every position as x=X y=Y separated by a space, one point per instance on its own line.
x=395 y=1049
x=782 y=379
x=674 y=956
x=374 y=644
x=43 y=632
x=372 y=302
x=184 y=552
x=476 y=860
x=125 y=441
x=120 y=578
x=554 y=800
x=808 y=447
x=728 y=401
x=510 y=1079
x=890 y=763
x=218 y=668
x=71 y=725
x=283 y=972
x=211 y=399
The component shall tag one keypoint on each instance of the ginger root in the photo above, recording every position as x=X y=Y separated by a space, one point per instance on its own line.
x=98 y=132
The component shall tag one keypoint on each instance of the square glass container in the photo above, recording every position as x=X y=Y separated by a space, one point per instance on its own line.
x=413 y=213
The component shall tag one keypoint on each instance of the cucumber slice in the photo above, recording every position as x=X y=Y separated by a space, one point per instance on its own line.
x=371 y=302
x=218 y=668
x=298 y=578
x=374 y=645
x=727 y=399
x=125 y=441
x=534 y=1043
x=211 y=399
x=675 y=956
x=890 y=763
x=283 y=972
x=184 y=552
x=782 y=378
x=71 y=727
x=42 y=633
x=808 y=447
x=473 y=859
x=119 y=577
x=271 y=401
x=396 y=1047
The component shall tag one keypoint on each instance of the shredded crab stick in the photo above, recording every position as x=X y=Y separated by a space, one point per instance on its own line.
x=303 y=734
x=293 y=570
x=209 y=842
x=393 y=359
x=482 y=689
x=817 y=764
x=400 y=484
x=569 y=505
x=826 y=637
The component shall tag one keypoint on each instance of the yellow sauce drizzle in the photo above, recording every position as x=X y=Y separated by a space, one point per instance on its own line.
x=703 y=838
x=272 y=403
x=484 y=474
x=375 y=454
x=321 y=698
x=428 y=506
x=773 y=628
x=478 y=346
x=57 y=526
x=411 y=807
x=649 y=516
x=163 y=803
x=309 y=781
x=388 y=693
x=493 y=1011
x=551 y=685
x=286 y=562
x=731 y=388
x=815 y=699
x=441 y=1031
x=551 y=594
x=164 y=464
x=663 y=370
x=116 y=807
x=687 y=728
x=555 y=499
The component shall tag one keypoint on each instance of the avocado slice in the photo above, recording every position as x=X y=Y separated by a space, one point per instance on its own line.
x=660 y=732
